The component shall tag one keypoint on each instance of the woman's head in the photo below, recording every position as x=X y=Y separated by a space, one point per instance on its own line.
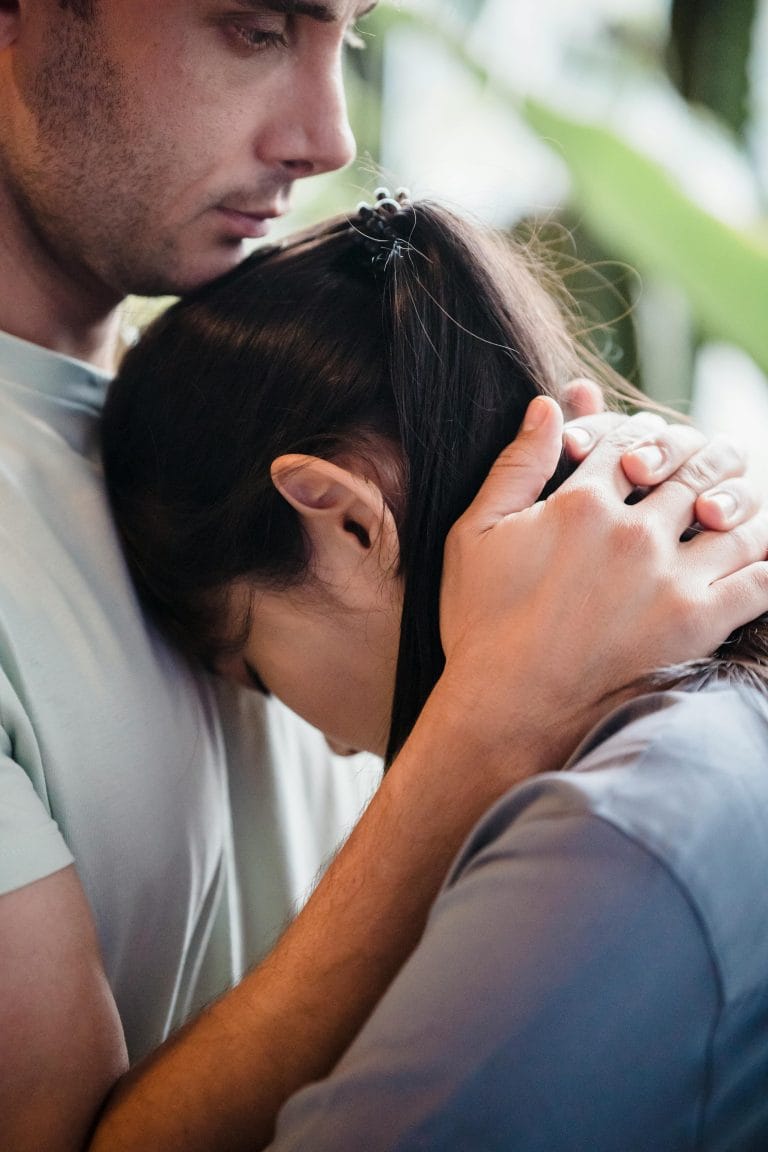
x=286 y=450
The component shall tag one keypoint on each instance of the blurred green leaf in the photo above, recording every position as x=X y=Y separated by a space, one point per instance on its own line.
x=640 y=211
x=710 y=47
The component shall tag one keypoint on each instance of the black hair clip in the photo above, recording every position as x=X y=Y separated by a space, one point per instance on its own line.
x=384 y=226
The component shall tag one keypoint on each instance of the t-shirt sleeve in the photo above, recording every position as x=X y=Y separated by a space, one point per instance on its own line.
x=31 y=845
x=563 y=996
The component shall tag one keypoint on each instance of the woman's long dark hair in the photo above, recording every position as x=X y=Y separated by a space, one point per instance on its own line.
x=419 y=358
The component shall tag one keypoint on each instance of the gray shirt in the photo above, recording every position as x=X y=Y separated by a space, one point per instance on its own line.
x=594 y=974
x=195 y=821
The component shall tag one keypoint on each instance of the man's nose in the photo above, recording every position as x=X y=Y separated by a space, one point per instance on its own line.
x=310 y=131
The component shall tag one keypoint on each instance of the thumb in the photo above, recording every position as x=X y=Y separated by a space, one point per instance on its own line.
x=523 y=468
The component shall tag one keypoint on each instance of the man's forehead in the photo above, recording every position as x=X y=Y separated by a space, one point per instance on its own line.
x=324 y=11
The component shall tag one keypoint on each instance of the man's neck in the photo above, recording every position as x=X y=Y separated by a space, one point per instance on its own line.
x=43 y=303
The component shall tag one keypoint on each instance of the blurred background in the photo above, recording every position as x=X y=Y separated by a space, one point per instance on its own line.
x=631 y=135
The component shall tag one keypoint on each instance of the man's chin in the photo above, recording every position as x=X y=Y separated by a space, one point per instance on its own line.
x=197 y=274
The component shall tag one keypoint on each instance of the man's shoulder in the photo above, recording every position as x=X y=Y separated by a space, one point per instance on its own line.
x=47 y=400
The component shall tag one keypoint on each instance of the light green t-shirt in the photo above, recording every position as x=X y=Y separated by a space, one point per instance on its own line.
x=197 y=815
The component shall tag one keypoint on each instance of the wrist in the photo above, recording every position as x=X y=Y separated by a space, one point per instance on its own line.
x=466 y=751
x=509 y=726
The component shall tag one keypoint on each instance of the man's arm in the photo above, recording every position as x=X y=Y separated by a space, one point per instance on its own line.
x=563 y=996
x=521 y=686
x=61 y=1044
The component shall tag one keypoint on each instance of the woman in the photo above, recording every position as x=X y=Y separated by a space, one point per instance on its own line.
x=594 y=973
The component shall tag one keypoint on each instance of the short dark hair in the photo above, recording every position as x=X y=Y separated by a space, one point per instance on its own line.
x=427 y=358
x=85 y=9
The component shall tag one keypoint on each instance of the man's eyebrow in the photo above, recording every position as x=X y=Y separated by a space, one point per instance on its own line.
x=323 y=13
x=311 y=8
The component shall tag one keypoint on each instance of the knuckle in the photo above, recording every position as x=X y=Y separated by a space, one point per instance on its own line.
x=679 y=438
x=747 y=493
x=584 y=503
x=456 y=534
x=747 y=500
x=647 y=420
x=698 y=473
x=719 y=459
x=632 y=531
x=756 y=531
x=731 y=456
x=597 y=425
x=639 y=536
x=743 y=545
x=643 y=426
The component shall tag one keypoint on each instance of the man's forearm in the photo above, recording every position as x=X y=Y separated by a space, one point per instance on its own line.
x=219 y=1083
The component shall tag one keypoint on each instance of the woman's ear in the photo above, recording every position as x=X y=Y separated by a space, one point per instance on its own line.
x=351 y=528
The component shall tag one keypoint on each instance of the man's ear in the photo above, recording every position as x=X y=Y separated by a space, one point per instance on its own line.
x=351 y=529
x=10 y=20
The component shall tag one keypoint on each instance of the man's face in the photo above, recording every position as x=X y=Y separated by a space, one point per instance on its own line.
x=141 y=148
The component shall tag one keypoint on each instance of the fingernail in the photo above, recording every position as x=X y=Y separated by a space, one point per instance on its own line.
x=724 y=500
x=650 y=455
x=535 y=415
x=577 y=436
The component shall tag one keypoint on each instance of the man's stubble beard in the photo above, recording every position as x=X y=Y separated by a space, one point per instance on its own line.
x=82 y=191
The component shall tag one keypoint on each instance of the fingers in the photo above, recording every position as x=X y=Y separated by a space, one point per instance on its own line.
x=653 y=460
x=604 y=460
x=521 y=471
x=677 y=497
x=647 y=461
x=742 y=596
x=581 y=435
x=721 y=498
x=719 y=555
x=731 y=503
x=582 y=397
x=692 y=481
x=681 y=453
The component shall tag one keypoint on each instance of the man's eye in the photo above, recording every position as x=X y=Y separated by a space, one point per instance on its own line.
x=257 y=39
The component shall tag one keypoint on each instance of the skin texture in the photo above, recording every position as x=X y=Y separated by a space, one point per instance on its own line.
x=120 y=144
x=140 y=208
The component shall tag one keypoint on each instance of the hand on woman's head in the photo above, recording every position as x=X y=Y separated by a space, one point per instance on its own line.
x=656 y=457
x=582 y=594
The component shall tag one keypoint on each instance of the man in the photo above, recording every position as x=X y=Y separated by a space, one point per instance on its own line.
x=140 y=144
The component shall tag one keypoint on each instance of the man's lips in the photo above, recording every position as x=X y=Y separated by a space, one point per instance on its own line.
x=247 y=225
